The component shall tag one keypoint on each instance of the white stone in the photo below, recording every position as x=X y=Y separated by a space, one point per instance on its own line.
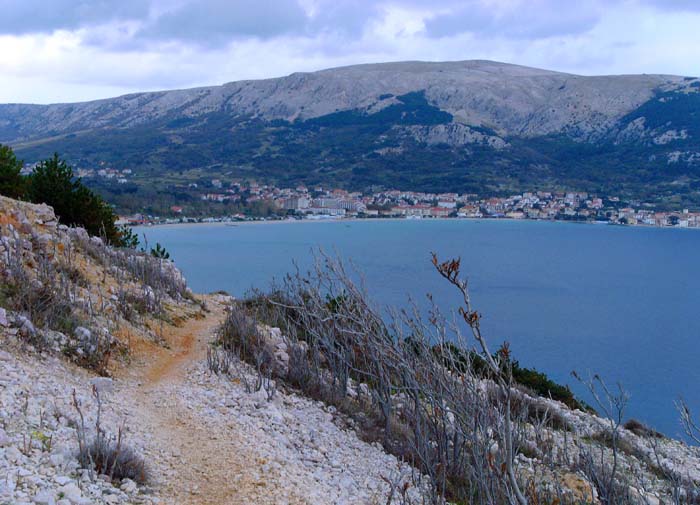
x=4 y=439
x=128 y=486
x=26 y=328
x=72 y=493
x=57 y=459
x=82 y=333
x=45 y=497
x=102 y=384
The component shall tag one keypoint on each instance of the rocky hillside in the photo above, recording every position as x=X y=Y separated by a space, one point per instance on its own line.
x=70 y=293
x=477 y=126
x=508 y=99
x=107 y=348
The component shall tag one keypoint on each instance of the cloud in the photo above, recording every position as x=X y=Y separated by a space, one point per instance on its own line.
x=343 y=17
x=41 y=16
x=217 y=22
x=133 y=24
x=521 y=19
x=73 y=50
x=674 y=5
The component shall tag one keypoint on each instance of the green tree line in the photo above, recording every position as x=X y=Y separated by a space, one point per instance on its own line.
x=52 y=182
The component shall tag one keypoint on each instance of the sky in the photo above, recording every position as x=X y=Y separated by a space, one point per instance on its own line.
x=77 y=50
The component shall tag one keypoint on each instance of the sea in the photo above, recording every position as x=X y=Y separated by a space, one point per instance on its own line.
x=619 y=302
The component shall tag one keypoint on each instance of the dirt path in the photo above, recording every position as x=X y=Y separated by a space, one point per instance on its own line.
x=186 y=343
x=198 y=460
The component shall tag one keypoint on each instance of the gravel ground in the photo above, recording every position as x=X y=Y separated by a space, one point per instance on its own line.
x=205 y=438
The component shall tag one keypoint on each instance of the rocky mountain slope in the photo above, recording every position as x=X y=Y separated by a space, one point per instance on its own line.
x=478 y=126
x=509 y=99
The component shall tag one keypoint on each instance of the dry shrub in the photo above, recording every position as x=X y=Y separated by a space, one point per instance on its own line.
x=390 y=377
x=104 y=454
x=109 y=458
x=640 y=429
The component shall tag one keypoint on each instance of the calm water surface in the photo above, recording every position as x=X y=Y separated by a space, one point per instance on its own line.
x=620 y=302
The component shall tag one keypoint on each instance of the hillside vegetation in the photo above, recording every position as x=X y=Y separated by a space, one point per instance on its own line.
x=52 y=182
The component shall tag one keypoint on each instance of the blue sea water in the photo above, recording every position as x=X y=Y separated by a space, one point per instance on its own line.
x=620 y=302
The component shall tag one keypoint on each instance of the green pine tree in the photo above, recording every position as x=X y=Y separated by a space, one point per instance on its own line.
x=52 y=182
x=160 y=252
x=12 y=183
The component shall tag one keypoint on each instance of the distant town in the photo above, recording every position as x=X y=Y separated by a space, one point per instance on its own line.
x=331 y=203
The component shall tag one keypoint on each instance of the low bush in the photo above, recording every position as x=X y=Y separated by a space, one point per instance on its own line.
x=640 y=429
x=536 y=382
x=542 y=385
x=239 y=333
x=104 y=454
x=43 y=297
x=109 y=457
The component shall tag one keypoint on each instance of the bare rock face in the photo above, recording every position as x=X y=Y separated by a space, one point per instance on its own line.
x=509 y=99
x=454 y=134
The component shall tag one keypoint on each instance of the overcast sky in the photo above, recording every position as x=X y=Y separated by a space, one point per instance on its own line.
x=74 y=50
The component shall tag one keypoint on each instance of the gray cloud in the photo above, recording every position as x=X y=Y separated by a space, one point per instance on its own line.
x=674 y=5
x=216 y=22
x=41 y=16
x=346 y=17
x=206 y=23
x=212 y=23
x=534 y=19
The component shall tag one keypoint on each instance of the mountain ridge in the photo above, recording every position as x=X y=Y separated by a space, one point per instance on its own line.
x=474 y=125
x=472 y=72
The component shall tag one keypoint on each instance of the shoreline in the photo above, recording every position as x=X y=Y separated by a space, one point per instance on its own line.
x=234 y=224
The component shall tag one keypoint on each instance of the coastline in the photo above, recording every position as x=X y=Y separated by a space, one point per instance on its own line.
x=233 y=224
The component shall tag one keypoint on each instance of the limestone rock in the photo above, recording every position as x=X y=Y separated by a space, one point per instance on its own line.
x=102 y=384
x=4 y=439
x=72 y=493
x=44 y=498
x=26 y=328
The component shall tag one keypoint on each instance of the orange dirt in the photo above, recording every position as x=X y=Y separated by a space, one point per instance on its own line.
x=6 y=219
x=181 y=341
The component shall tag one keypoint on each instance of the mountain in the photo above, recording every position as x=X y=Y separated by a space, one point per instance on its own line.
x=474 y=126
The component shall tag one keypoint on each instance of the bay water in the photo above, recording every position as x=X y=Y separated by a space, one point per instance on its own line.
x=621 y=302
